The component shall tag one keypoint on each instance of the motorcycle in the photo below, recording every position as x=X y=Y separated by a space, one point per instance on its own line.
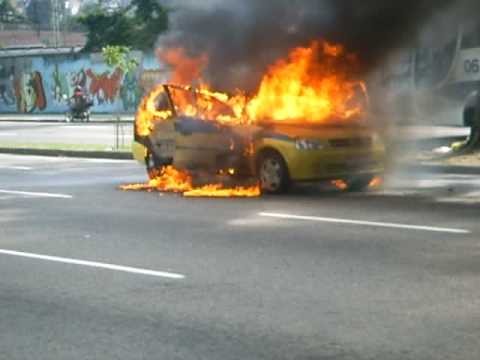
x=79 y=108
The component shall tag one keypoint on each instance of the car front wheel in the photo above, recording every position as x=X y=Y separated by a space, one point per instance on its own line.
x=273 y=173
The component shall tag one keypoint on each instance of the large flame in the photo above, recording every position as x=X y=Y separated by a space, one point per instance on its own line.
x=312 y=85
x=185 y=69
x=147 y=113
x=170 y=179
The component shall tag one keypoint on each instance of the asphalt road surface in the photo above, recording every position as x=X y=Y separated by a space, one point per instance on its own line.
x=73 y=133
x=91 y=272
x=104 y=133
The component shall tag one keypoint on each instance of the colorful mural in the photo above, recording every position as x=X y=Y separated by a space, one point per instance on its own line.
x=105 y=87
x=65 y=83
x=29 y=92
x=7 y=92
x=130 y=92
x=46 y=83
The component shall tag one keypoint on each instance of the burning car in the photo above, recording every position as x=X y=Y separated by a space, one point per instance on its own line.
x=307 y=122
x=169 y=131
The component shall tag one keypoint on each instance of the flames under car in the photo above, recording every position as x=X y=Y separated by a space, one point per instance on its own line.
x=276 y=154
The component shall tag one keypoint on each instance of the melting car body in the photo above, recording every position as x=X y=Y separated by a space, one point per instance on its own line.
x=277 y=154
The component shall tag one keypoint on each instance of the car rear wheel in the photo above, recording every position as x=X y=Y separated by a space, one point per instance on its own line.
x=359 y=183
x=273 y=173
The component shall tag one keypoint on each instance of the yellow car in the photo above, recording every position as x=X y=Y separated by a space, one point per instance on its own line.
x=276 y=154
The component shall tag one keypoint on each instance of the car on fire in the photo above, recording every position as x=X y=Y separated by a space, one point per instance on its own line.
x=173 y=127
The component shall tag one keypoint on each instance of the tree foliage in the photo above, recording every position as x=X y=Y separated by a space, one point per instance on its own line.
x=8 y=14
x=119 y=57
x=136 y=26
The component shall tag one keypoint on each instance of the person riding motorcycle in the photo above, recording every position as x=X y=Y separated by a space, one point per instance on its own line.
x=79 y=105
x=79 y=100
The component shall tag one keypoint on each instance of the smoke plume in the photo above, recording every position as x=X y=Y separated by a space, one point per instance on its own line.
x=242 y=37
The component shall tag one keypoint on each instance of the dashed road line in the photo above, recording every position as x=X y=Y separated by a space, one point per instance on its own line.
x=36 y=194
x=94 y=264
x=365 y=223
x=16 y=167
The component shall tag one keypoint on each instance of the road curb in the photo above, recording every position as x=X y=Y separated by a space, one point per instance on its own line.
x=63 y=122
x=69 y=153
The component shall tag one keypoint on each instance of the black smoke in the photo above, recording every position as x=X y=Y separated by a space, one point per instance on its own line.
x=242 y=37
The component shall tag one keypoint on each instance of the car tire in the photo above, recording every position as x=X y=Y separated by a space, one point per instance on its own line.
x=273 y=173
x=359 y=183
x=151 y=164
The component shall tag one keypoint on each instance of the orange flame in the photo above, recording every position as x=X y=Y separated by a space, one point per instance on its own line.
x=147 y=113
x=219 y=191
x=170 y=179
x=340 y=184
x=312 y=85
x=186 y=69
x=377 y=182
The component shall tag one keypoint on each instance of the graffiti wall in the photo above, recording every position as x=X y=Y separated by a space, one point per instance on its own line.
x=44 y=84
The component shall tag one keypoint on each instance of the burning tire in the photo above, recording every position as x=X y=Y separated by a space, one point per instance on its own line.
x=359 y=183
x=273 y=173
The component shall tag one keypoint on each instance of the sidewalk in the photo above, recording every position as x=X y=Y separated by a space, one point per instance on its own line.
x=61 y=117
x=419 y=133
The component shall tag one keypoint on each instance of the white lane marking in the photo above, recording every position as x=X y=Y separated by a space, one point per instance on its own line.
x=36 y=194
x=16 y=167
x=365 y=223
x=94 y=264
x=107 y=161
x=8 y=134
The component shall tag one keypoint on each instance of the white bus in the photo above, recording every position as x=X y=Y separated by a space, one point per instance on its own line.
x=433 y=83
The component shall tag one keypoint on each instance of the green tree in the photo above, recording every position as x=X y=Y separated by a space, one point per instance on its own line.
x=136 y=26
x=8 y=14
x=119 y=57
x=151 y=20
x=106 y=29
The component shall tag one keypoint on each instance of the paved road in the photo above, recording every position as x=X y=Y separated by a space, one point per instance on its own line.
x=103 y=133
x=61 y=133
x=91 y=272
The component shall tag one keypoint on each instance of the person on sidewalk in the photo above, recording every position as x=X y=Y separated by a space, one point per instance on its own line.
x=472 y=119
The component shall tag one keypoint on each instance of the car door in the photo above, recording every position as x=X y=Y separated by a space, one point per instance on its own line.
x=162 y=138
x=200 y=142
